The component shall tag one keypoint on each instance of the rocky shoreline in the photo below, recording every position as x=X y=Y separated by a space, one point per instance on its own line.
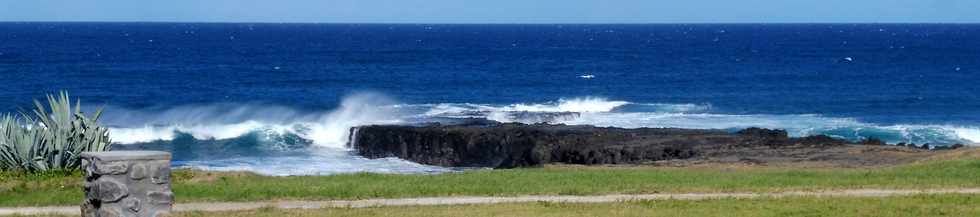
x=511 y=145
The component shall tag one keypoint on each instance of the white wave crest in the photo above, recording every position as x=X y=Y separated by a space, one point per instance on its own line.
x=141 y=134
x=972 y=134
x=333 y=129
x=577 y=105
x=506 y=113
x=796 y=125
x=329 y=129
x=678 y=108
x=201 y=132
x=587 y=104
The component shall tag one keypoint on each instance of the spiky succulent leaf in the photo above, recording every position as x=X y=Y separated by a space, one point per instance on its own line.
x=53 y=138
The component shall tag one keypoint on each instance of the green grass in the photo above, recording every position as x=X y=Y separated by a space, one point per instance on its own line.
x=58 y=189
x=911 y=206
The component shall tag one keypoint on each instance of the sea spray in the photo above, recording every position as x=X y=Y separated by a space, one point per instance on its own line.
x=796 y=125
x=333 y=129
x=277 y=140
x=328 y=129
x=584 y=104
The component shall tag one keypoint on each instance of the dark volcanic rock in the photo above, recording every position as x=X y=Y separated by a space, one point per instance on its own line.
x=874 y=141
x=520 y=145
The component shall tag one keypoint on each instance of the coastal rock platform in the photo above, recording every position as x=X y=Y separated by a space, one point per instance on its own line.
x=512 y=145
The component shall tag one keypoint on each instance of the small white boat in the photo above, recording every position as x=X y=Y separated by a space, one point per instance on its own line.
x=587 y=76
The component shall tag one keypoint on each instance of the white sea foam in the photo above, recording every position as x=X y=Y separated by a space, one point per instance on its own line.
x=332 y=128
x=316 y=162
x=796 y=125
x=506 y=113
x=325 y=133
x=141 y=134
x=678 y=108
x=587 y=104
x=578 y=105
x=328 y=129
x=972 y=134
x=201 y=132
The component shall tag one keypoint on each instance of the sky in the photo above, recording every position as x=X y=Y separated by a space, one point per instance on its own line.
x=496 y=11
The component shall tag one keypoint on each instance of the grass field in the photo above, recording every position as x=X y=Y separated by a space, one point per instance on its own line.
x=191 y=186
x=911 y=206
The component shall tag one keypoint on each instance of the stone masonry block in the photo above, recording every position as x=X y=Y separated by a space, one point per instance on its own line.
x=127 y=183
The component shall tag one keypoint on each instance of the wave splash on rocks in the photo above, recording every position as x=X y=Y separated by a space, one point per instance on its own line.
x=280 y=140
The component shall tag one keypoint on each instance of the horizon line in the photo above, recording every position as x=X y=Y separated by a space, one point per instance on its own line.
x=503 y=23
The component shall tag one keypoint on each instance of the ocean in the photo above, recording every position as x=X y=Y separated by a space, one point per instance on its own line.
x=279 y=99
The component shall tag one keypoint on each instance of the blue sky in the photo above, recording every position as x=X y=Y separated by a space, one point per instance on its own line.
x=496 y=11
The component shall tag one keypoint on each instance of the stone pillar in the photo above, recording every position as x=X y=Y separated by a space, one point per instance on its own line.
x=127 y=183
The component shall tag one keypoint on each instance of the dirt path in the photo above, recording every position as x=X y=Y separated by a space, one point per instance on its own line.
x=232 y=206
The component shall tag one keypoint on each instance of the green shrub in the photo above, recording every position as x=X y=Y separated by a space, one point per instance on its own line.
x=51 y=138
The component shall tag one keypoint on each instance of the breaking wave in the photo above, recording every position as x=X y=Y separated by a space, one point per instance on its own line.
x=278 y=140
x=796 y=125
x=217 y=122
x=588 y=104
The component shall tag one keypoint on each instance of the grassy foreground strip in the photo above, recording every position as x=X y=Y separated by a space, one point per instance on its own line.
x=917 y=206
x=912 y=206
x=194 y=186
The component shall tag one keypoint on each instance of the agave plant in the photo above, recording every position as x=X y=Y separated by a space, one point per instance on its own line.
x=16 y=142
x=51 y=138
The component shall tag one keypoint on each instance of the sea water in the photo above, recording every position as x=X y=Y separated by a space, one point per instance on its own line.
x=280 y=99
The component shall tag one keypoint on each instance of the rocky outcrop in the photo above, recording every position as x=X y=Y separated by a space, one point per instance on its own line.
x=521 y=145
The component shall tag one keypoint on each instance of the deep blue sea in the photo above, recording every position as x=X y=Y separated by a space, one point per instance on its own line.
x=280 y=99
